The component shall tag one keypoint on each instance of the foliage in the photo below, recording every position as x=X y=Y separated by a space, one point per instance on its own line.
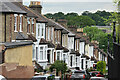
x=86 y=19
x=98 y=16
x=101 y=66
x=59 y=66
x=96 y=34
x=80 y=21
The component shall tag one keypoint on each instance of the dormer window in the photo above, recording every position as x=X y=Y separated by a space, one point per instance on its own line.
x=15 y=22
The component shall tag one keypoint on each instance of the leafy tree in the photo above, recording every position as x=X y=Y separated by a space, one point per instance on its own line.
x=72 y=14
x=81 y=21
x=49 y=15
x=59 y=66
x=101 y=66
x=96 y=34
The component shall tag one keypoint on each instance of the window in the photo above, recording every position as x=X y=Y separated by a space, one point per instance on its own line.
x=42 y=31
x=71 y=61
x=45 y=53
x=28 y=28
x=15 y=22
x=38 y=30
x=48 y=33
x=82 y=64
x=36 y=52
x=28 y=25
x=21 y=24
x=64 y=58
x=41 y=53
x=32 y=25
x=52 y=34
x=58 y=55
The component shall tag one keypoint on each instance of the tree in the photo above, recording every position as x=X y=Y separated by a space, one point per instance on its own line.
x=96 y=34
x=81 y=21
x=59 y=66
x=101 y=66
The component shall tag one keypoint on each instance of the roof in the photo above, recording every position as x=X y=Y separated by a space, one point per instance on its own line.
x=29 y=13
x=77 y=37
x=31 y=37
x=93 y=59
x=65 y=49
x=77 y=53
x=65 y=31
x=102 y=51
x=17 y=44
x=72 y=51
x=40 y=16
x=85 y=56
x=9 y=7
x=43 y=41
x=21 y=36
x=50 y=45
x=59 y=47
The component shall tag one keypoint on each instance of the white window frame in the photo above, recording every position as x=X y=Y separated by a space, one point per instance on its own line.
x=48 y=35
x=32 y=25
x=15 y=24
x=21 y=23
x=41 y=55
x=38 y=31
x=28 y=21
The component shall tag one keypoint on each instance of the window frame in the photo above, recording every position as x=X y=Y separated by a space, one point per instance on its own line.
x=15 y=22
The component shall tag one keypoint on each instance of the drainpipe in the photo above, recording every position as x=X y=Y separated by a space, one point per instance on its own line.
x=5 y=29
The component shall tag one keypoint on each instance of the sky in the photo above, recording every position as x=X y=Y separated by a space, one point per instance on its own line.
x=71 y=0
x=77 y=6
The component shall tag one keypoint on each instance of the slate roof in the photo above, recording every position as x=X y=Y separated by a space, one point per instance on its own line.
x=29 y=13
x=43 y=41
x=31 y=37
x=77 y=53
x=21 y=36
x=65 y=49
x=93 y=59
x=59 y=47
x=50 y=45
x=40 y=16
x=72 y=51
x=85 y=56
x=9 y=7
x=65 y=31
x=77 y=37
x=17 y=44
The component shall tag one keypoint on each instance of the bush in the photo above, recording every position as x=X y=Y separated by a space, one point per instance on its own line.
x=101 y=66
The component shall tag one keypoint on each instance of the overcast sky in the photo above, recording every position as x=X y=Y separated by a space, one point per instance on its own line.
x=71 y=0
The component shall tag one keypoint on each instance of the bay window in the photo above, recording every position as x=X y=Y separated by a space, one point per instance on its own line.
x=58 y=55
x=41 y=53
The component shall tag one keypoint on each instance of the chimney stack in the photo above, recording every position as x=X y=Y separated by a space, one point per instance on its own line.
x=35 y=5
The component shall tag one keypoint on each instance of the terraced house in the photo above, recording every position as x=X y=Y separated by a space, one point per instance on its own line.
x=50 y=40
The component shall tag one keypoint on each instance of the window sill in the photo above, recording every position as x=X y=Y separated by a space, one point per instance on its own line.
x=28 y=33
x=21 y=31
x=15 y=31
x=42 y=60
